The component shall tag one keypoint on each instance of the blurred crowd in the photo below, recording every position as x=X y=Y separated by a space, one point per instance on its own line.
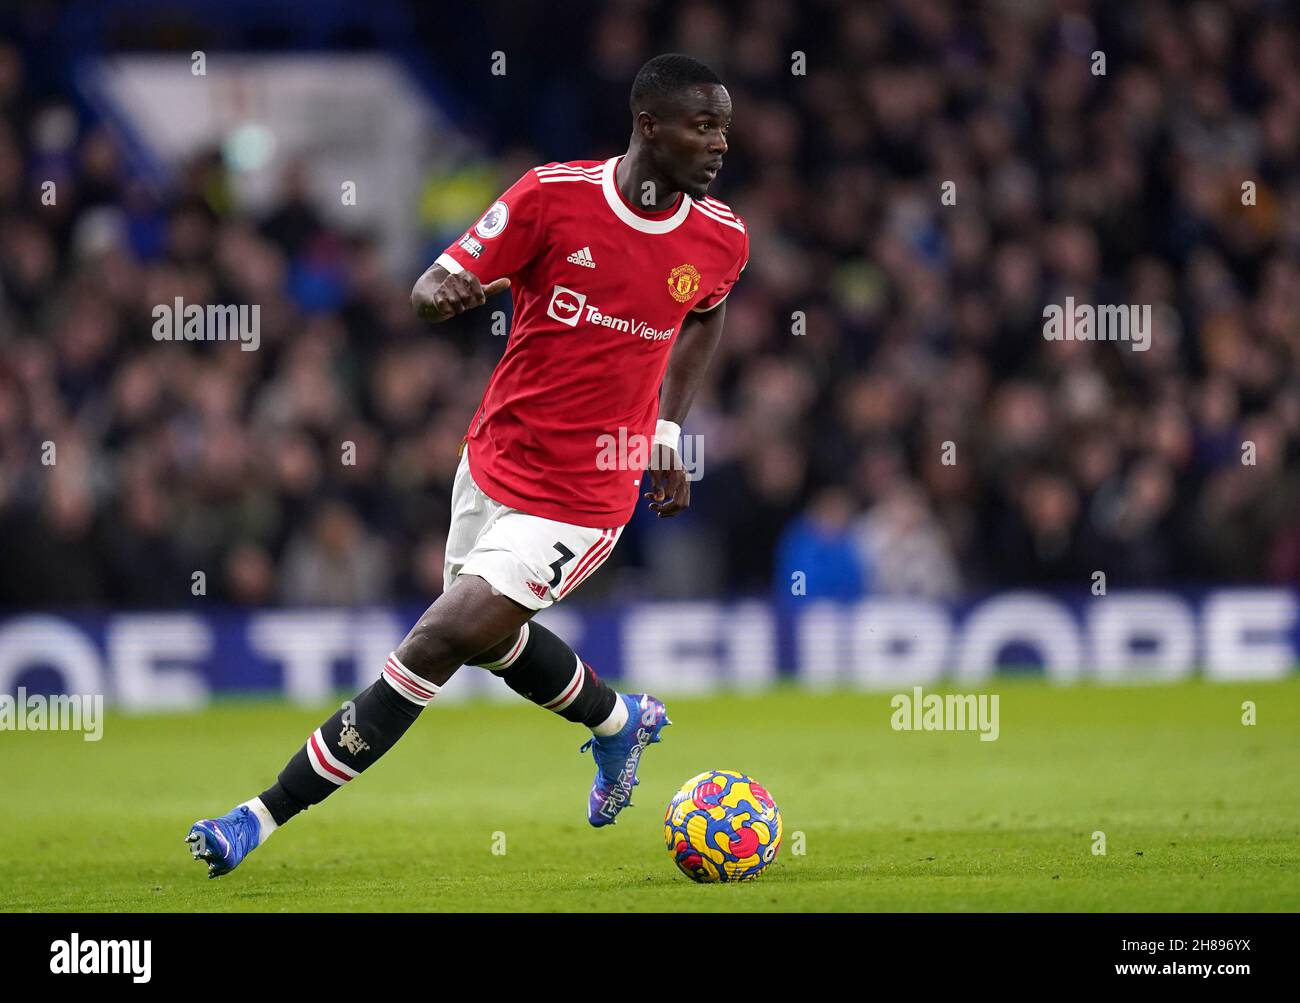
x=884 y=414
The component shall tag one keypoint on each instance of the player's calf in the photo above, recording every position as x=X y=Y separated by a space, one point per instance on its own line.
x=463 y=621
x=351 y=741
x=365 y=728
x=540 y=667
x=342 y=748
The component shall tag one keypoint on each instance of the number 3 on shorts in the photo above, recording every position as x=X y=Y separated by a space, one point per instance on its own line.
x=566 y=555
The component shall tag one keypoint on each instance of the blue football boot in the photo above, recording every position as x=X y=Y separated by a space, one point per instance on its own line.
x=617 y=757
x=224 y=842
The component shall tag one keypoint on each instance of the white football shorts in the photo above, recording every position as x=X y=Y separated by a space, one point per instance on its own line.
x=534 y=561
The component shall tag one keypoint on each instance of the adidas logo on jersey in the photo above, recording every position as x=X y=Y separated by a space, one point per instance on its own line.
x=582 y=257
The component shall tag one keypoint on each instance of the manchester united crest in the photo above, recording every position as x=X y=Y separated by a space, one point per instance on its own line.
x=684 y=282
x=350 y=739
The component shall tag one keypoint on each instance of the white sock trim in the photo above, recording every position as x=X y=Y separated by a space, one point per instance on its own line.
x=512 y=655
x=407 y=684
x=613 y=724
x=570 y=691
x=264 y=818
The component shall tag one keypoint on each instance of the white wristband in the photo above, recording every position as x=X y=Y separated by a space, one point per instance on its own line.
x=668 y=433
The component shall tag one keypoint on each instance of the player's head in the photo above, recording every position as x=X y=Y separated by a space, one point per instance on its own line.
x=680 y=115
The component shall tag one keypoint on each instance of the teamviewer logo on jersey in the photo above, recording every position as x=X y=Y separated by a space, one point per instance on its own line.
x=566 y=306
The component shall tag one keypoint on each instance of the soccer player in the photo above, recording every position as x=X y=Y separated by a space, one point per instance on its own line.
x=619 y=272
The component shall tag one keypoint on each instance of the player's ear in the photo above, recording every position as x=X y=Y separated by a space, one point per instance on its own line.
x=646 y=124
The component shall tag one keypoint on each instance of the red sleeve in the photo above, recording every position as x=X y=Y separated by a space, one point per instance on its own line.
x=723 y=289
x=506 y=237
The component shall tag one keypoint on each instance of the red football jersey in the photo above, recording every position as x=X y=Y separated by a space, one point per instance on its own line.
x=600 y=290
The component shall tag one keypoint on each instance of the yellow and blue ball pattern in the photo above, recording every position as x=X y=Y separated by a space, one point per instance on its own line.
x=722 y=826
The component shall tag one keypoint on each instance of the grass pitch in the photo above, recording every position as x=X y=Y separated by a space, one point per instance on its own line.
x=1199 y=811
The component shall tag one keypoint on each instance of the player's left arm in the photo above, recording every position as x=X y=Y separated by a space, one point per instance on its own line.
x=696 y=341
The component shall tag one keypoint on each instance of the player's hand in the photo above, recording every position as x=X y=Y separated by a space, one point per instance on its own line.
x=462 y=291
x=670 y=489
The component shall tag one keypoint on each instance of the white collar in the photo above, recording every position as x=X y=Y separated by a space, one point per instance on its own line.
x=627 y=215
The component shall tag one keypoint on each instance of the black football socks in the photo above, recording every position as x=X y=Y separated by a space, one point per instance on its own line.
x=539 y=666
x=361 y=731
x=545 y=670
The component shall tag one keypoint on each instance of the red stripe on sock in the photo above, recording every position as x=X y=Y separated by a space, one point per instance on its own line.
x=400 y=684
x=573 y=688
x=323 y=762
x=514 y=652
x=410 y=677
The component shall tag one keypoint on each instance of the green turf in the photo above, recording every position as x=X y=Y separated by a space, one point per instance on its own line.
x=1200 y=812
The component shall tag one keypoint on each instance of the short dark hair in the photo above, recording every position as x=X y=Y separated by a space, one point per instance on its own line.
x=663 y=76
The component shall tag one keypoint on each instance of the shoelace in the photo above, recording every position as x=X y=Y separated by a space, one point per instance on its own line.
x=600 y=767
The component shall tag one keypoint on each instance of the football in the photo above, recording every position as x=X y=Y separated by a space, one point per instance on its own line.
x=722 y=826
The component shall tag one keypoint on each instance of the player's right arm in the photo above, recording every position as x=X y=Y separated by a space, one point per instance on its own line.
x=504 y=240
x=439 y=295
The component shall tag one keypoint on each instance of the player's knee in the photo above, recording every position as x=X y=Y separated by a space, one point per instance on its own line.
x=495 y=652
x=436 y=647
